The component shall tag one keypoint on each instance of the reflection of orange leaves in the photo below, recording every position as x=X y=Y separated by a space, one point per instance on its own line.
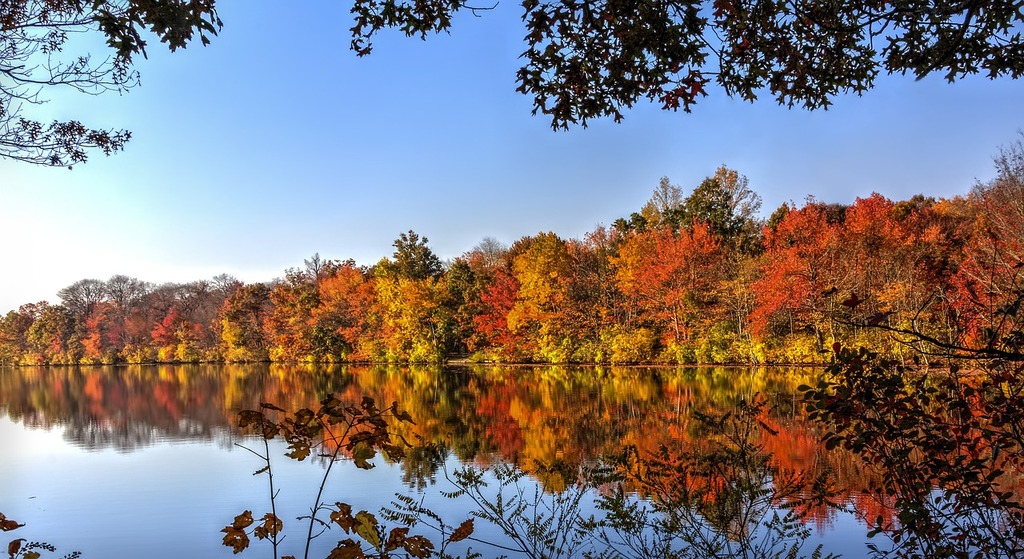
x=494 y=408
x=165 y=396
x=94 y=388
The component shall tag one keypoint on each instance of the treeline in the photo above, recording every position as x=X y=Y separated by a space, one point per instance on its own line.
x=687 y=279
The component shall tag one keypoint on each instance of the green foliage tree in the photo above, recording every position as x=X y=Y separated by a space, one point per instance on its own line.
x=727 y=205
x=413 y=259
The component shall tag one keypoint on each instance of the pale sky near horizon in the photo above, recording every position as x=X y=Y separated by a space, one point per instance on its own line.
x=276 y=142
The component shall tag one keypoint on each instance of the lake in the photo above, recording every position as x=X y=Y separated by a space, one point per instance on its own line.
x=145 y=460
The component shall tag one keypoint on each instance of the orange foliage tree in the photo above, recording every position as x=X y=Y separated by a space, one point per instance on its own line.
x=671 y=279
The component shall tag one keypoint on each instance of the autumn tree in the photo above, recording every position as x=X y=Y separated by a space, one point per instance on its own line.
x=414 y=321
x=487 y=255
x=242 y=324
x=415 y=318
x=992 y=273
x=14 y=327
x=801 y=275
x=469 y=277
x=176 y=338
x=672 y=278
x=666 y=199
x=947 y=439
x=318 y=268
x=595 y=306
x=103 y=336
x=293 y=300
x=126 y=296
x=543 y=271
x=80 y=297
x=183 y=320
x=200 y=303
x=339 y=323
x=491 y=325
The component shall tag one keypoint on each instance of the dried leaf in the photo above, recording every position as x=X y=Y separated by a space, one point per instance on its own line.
x=396 y=539
x=300 y=450
x=367 y=528
x=347 y=549
x=362 y=453
x=243 y=520
x=235 y=538
x=343 y=517
x=463 y=531
x=418 y=546
x=7 y=525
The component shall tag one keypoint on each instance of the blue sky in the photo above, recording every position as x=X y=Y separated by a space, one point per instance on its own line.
x=276 y=142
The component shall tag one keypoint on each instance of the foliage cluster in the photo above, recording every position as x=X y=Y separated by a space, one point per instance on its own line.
x=37 y=55
x=582 y=60
x=948 y=444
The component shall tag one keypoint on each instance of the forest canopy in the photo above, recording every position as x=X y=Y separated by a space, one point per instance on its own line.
x=582 y=60
x=692 y=277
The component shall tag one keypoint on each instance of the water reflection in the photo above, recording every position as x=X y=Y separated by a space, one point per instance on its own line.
x=524 y=415
x=480 y=411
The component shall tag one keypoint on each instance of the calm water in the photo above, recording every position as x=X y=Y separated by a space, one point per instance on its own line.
x=142 y=461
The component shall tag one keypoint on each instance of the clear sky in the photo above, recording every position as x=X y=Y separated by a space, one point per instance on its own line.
x=276 y=142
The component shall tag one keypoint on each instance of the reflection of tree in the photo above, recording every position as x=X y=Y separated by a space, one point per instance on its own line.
x=123 y=408
x=717 y=493
x=482 y=414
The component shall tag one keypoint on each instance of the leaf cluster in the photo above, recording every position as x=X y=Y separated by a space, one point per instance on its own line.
x=947 y=442
x=33 y=38
x=586 y=59
x=334 y=431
